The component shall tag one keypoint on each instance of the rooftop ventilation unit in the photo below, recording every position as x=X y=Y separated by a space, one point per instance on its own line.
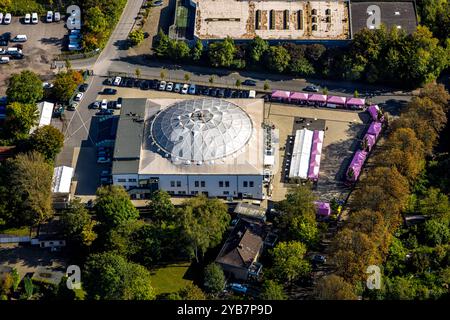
x=397 y=13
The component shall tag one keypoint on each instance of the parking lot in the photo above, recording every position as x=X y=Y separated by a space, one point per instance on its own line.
x=45 y=41
x=343 y=129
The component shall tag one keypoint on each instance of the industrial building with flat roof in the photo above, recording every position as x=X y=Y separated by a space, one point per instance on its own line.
x=186 y=147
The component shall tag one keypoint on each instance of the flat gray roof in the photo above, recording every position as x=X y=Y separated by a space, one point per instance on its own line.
x=127 y=148
x=130 y=129
x=393 y=14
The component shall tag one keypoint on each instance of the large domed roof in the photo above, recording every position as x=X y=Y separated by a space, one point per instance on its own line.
x=201 y=130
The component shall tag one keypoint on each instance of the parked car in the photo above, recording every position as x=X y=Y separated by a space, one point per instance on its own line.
x=154 y=84
x=177 y=88
x=129 y=83
x=27 y=18
x=249 y=82
x=119 y=103
x=4 y=60
x=95 y=105
x=79 y=96
x=221 y=93
x=7 y=19
x=57 y=17
x=185 y=88
x=103 y=160
x=319 y=259
x=1 y=17
x=191 y=89
x=169 y=86
x=227 y=93
x=311 y=89
x=145 y=85
x=237 y=287
x=157 y=3
x=109 y=91
x=73 y=106
x=47 y=85
x=117 y=81
x=20 y=38
x=162 y=86
x=213 y=92
x=105 y=112
x=49 y=16
x=104 y=104
x=83 y=87
x=108 y=81
x=112 y=104
x=34 y=18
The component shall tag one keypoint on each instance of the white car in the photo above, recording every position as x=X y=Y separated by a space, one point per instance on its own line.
x=27 y=19
x=117 y=81
x=104 y=104
x=185 y=88
x=34 y=18
x=169 y=86
x=49 y=16
x=162 y=86
x=4 y=60
x=1 y=17
x=79 y=96
x=7 y=19
x=57 y=17
x=47 y=85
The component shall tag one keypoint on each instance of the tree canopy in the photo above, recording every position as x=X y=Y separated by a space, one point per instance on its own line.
x=114 y=207
x=289 y=264
x=25 y=87
x=78 y=224
x=65 y=84
x=48 y=141
x=109 y=276
x=214 y=278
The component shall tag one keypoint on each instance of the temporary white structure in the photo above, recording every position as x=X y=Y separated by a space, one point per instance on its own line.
x=45 y=115
x=301 y=154
x=62 y=179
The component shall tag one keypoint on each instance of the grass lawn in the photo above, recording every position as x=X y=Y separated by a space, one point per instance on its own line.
x=170 y=278
x=20 y=232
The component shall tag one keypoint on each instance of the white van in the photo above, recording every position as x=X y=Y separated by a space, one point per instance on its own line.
x=34 y=18
x=20 y=38
x=4 y=60
x=27 y=19
x=13 y=51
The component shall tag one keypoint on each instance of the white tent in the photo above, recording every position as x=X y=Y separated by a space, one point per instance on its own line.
x=45 y=115
x=301 y=154
x=62 y=179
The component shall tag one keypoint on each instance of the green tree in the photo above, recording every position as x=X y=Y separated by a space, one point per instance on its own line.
x=191 y=292
x=95 y=22
x=161 y=207
x=278 y=58
x=211 y=79
x=266 y=85
x=214 y=278
x=65 y=84
x=113 y=206
x=20 y=118
x=434 y=204
x=109 y=276
x=25 y=87
x=48 y=141
x=161 y=48
x=437 y=232
x=258 y=47
x=301 y=66
x=29 y=287
x=333 y=287
x=138 y=73
x=221 y=53
x=162 y=75
x=78 y=224
x=29 y=188
x=203 y=222
x=178 y=50
x=187 y=77
x=271 y=290
x=298 y=218
x=136 y=37
x=238 y=83
x=197 y=51
x=289 y=264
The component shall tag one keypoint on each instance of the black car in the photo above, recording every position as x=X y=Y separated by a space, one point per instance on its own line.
x=240 y=94
x=105 y=112
x=108 y=81
x=249 y=82
x=17 y=56
x=129 y=83
x=145 y=85
x=137 y=83
x=154 y=84
x=3 y=43
x=221 y=93
x=311 y=89
x=123 y=83
x=213 y=92
x=206 y=91
x=227 y=93
x=83 y=87
x=233 y=94
x=245 y=94
x=6 y=36
x=109 y=91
